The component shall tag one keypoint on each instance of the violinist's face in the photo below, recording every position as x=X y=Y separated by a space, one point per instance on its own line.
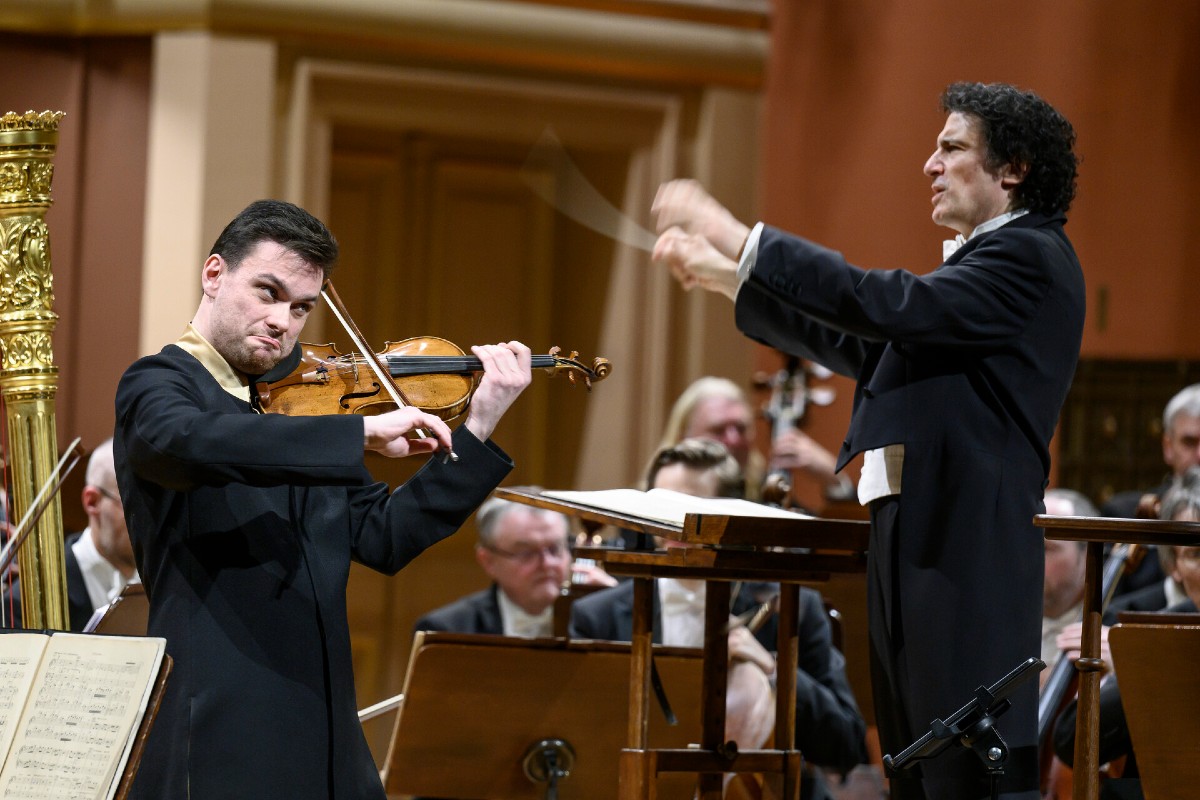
x=253 y=313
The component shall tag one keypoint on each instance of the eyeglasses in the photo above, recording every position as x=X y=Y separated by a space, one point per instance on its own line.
x=116 y=498
x=1190 y=554
x=528 y=555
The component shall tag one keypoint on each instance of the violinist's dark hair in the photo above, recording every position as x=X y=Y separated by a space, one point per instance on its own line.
x=1025 y=131
x=284 y=223
x=702 y=455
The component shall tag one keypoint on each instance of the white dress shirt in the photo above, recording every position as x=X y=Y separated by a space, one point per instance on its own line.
x=681 y=609
x=520 y=623
x=103 y=581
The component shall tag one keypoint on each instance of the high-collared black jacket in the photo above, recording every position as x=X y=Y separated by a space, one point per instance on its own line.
x=244 y=527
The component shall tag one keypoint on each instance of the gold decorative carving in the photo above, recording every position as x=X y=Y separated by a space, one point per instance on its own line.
x=28 y=377
x=31 y=121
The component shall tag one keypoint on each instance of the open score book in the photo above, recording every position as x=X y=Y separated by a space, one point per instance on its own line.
x=70 y=708
x=664 y=505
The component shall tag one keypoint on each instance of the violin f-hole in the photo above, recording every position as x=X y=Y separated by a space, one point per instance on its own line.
x=346 y=398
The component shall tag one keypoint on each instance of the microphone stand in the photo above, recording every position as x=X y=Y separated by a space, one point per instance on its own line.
x=973 y=726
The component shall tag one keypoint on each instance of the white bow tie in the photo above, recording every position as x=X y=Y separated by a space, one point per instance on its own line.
x=950 y=246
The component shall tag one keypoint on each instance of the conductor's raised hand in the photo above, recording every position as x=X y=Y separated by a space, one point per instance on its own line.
x=687 y=205
x=389 y=433
x=695 y=262
x=506 y=373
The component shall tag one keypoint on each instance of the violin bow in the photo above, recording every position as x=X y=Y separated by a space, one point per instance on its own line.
x=38 y=507
x=371 y=357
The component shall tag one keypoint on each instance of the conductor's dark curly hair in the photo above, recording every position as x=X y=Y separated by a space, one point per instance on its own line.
x=1024 y=130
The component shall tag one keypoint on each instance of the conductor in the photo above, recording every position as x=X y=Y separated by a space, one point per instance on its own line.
x=961 y=374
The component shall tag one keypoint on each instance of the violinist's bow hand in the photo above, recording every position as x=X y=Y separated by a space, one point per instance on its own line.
x=506 y=373
x=388 y=433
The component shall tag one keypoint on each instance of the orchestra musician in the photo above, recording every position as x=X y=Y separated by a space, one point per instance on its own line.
x=526 y=553
x=244 y=525
x=1062 y=590
x=716 y=408
x=1148 y=588
x=961 y=376
x=829 y=726
x=1180 y=502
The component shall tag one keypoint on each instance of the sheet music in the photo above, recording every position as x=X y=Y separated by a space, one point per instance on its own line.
x=664 y=505
x=81 y=718
x=20 y=655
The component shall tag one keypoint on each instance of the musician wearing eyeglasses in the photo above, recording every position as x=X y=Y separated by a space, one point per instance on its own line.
x=525 y=552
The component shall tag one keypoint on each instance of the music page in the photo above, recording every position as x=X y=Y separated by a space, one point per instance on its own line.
x=82 y=717
x=20 y=654
x=664 y=505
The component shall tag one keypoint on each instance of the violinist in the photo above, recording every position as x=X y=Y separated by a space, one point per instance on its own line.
x=244 y=525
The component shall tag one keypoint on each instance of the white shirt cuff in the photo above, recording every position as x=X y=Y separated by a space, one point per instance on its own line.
x=749 y=254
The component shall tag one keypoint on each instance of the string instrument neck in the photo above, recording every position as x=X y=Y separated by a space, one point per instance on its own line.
x=400 y=366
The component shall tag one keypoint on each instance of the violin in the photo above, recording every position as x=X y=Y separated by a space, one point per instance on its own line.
x=433 y=374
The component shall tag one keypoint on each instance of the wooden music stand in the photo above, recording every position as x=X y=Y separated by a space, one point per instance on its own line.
x=474 y=704
x=130 y=769
x=720 y=549
x=1160 y=691
x=1097 y=531
x=127 y=615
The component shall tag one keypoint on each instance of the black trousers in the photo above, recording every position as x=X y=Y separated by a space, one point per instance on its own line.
x=956 y=773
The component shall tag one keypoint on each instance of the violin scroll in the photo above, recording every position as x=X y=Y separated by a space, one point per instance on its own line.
x=571 y=364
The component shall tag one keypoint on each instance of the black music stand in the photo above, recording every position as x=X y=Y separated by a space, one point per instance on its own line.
x=972 y=726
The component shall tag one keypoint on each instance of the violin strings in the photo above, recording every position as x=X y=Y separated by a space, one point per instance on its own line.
x=422 y=365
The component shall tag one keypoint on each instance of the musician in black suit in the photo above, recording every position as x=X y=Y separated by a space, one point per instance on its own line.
x=244 y=525
x=1181 y=451
x=961 y=376
x=526 y=553
x=99 y=559
x=1181 y=502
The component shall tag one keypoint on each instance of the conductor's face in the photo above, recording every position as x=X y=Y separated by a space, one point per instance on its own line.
x=965 y=193
x=253 y=313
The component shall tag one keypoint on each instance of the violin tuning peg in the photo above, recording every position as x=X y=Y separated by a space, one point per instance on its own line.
x=574 y=355
x=571 y=377
x=555 y=350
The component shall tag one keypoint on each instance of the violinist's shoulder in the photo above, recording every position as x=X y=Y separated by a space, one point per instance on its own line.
x=171 y=366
